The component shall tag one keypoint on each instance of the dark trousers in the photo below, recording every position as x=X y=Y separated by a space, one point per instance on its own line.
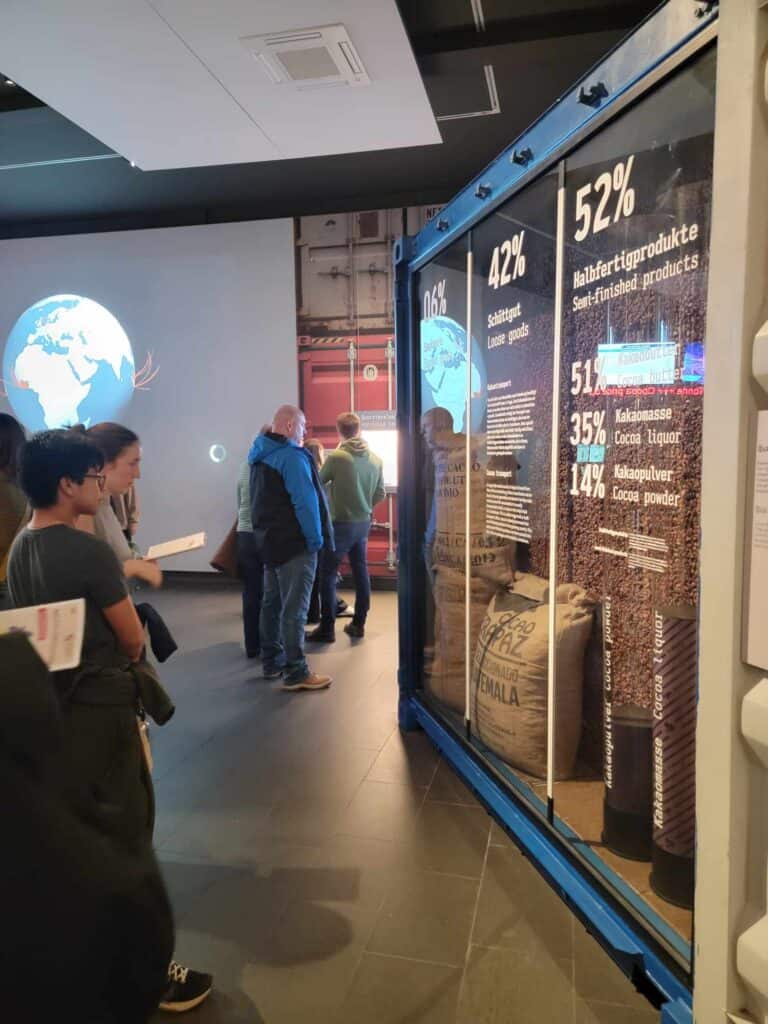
x=251 y=570
x=313 y=615
x=352 y=541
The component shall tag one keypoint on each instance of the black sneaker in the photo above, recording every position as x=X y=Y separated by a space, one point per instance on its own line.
x=352 y=629
x=271 y=673
x=186 y=989
x=321 y=636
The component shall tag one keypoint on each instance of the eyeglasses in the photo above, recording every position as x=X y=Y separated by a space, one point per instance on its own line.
x=98 y=477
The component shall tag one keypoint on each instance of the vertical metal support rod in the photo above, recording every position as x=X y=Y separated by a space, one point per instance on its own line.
x=554 y=479
x=468 y=505
x=390 y=350
x=410 y=633
x=390 y=516
x=351 y=355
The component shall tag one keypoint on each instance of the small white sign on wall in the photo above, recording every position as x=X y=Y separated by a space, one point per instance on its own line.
x=757 y=609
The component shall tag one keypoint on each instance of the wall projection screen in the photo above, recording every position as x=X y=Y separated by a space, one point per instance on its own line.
x=185 y=335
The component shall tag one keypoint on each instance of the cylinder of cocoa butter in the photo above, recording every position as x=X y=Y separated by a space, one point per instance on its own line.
x=674 y=753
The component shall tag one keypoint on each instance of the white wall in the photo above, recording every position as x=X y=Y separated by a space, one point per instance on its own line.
x=731 y=791
x=216 y=306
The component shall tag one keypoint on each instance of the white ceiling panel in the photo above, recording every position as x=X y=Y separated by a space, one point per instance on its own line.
x=169 y=84
x=392 y=111
x=118 y=71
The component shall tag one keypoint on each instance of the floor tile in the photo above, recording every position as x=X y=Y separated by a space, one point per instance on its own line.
x=327 y=867
x=451 y=838
x=375 y=864
x=382 y=810
x=188 y=880
x=333 y=772
x=369 y=726
x=598 y=978
x=518 y=910
x=498 y=836
x=608 y=1013
x=447 y=787
x=406 y=758
x=394 y=991
x=219 y=836
x=305 y=818
x=504 y=986
x=427 y=917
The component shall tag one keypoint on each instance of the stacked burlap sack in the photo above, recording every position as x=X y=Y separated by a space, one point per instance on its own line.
x=510 y=671
x=492 y=561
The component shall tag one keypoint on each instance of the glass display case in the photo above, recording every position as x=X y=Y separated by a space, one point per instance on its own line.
x=553 y=369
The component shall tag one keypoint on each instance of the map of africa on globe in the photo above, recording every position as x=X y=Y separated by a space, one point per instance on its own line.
x=67 y=360
x=444 y=372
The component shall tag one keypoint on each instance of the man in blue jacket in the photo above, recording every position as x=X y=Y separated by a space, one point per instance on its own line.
x=291 y=524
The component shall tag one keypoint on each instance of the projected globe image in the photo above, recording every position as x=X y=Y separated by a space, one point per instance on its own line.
x=444 y=372
x=67 y=360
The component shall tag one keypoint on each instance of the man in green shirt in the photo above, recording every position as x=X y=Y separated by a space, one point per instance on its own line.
x=354 y=478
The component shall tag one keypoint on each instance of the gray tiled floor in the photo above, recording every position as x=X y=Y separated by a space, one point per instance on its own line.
x=330 y=870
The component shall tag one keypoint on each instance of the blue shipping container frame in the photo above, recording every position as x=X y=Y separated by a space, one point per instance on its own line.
x=667 y=39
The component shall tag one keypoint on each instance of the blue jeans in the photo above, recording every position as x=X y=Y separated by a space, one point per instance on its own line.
x=284 y=606
x=252 y=574
x=352 y=541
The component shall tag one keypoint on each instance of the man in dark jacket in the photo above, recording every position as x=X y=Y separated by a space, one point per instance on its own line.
x=291 y=524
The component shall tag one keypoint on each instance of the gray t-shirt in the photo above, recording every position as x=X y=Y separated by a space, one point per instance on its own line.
x=59 y=563
x=106 y=525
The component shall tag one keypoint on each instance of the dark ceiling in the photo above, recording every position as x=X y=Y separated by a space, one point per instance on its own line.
x=56 y=179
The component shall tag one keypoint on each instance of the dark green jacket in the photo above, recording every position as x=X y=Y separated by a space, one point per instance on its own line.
x=354 y=477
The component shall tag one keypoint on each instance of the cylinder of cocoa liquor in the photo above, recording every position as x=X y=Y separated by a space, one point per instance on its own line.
x=675 y=667
x=628 y=800
x=627 y=803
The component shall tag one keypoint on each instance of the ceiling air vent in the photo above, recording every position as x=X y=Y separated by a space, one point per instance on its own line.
x=308 y=57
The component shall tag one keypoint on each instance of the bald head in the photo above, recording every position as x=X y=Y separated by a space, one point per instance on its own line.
x=290 y=421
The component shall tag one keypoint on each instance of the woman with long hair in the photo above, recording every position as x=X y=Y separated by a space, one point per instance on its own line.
x=122 y=467
x=13 y=503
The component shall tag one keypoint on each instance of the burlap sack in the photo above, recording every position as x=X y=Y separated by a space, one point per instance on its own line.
x=492 y=558
x=509 y=674
x=446 y=678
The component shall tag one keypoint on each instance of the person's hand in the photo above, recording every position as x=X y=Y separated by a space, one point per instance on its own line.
x=143 y=569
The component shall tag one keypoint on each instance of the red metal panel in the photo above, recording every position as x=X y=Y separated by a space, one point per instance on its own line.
x=325 y=370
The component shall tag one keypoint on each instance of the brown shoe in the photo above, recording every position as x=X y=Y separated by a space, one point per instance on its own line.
x=311 y=682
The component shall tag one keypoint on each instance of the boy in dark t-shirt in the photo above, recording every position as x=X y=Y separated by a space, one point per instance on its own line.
x=100 y=769
x=51 y=560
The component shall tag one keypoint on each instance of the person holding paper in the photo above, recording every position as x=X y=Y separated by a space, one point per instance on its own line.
x=101 y=769
x=122 y=467
x=122 y=458
x=291 y=523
